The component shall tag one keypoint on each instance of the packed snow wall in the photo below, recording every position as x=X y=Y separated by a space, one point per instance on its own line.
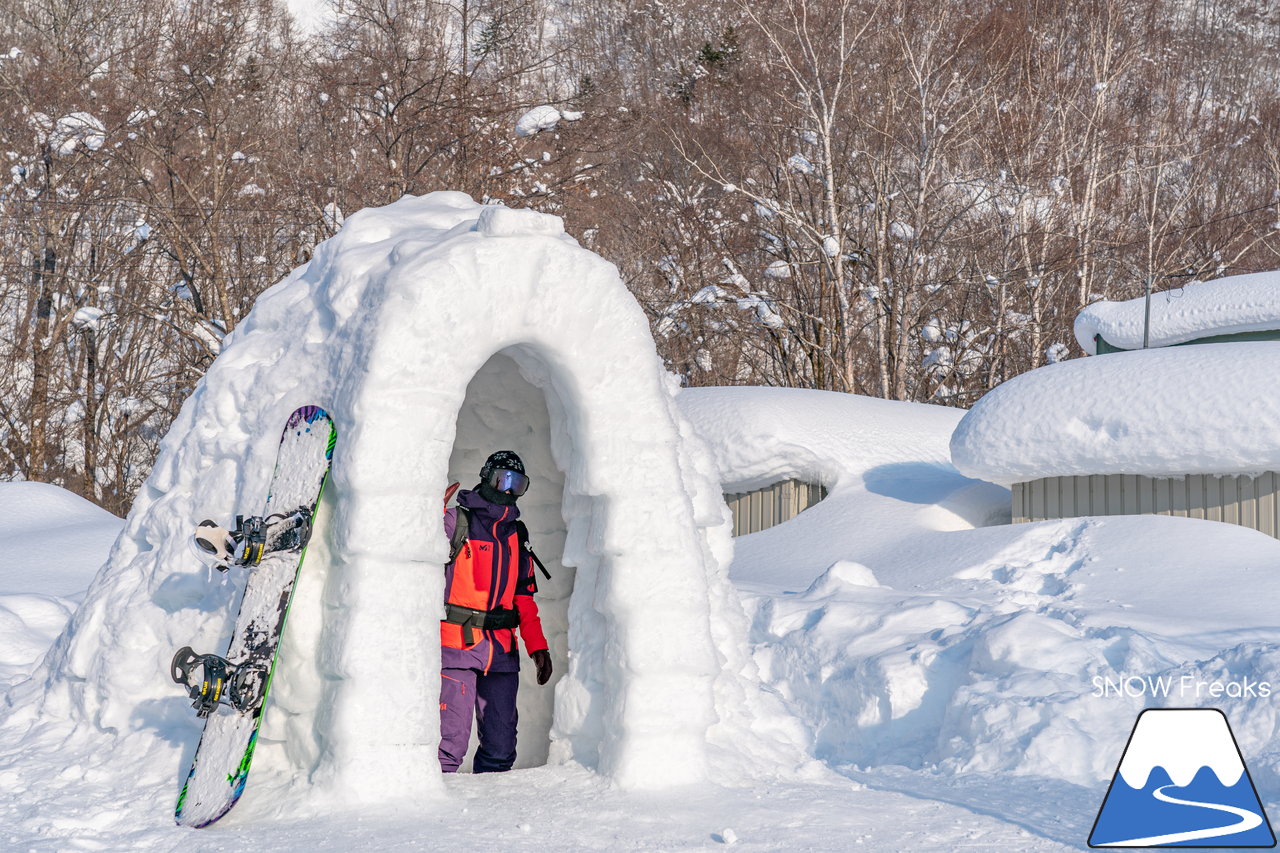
x=390 y=327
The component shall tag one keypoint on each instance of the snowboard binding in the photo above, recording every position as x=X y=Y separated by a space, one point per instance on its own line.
x=222 y=682
x=254 y=537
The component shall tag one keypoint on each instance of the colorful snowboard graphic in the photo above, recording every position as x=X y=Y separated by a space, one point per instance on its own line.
x=1182 y=783
x=234 y=689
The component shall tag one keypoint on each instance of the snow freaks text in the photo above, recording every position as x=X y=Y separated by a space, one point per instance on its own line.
x=1179 y=687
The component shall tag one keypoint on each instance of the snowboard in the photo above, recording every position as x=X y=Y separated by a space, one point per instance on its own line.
x=231 y=691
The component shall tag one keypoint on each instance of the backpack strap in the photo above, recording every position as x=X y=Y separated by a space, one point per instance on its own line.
x=522 y=534
x=461 y=531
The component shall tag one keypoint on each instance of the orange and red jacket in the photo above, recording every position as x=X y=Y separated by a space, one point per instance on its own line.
x=491 y=571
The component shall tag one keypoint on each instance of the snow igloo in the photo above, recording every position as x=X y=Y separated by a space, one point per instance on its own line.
x=435 y=330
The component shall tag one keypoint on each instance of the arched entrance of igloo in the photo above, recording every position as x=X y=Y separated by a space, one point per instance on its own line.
x=503 y=410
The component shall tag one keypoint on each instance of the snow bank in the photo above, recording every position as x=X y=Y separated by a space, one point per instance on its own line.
x=28 y=626
x=54 y=540
x=389 y=327
x=1226 y=306
x=1159 y=412
x=886 y=466
x=1030 y=649
x=904 y=637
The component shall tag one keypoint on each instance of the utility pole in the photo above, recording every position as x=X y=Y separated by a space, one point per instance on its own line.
x=1146 y=322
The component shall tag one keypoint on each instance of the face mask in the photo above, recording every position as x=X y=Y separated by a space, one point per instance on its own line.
x=494 y=496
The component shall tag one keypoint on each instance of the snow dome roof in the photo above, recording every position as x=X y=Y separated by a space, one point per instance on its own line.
x=431 y=329
x=1225 y=306
x=1158 y=412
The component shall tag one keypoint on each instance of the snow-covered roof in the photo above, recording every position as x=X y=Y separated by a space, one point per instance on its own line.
x=1225 y=306
x=884 y=462
x=1158 y=412
x=55 y=540
x=761 y=436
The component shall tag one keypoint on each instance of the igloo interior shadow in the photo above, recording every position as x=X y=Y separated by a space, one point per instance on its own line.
x=504 y=411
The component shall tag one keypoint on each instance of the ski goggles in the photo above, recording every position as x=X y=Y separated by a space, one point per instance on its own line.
x=506 y=480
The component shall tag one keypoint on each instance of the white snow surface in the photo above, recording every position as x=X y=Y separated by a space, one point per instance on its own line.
x=1207 y=409
x=886 y=465
x=54 y=542
x=962 y=682
x=1225 y=306
x=909 y=635
x=72 y=131
x=545 y=117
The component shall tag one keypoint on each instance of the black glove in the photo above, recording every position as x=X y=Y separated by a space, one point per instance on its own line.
x=542 y=660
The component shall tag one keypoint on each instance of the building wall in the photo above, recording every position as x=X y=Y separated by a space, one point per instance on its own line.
x=763 y=508
x=1236 y=499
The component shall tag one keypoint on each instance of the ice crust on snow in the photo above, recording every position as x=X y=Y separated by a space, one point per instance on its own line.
x=1208 y=409
x=1225 y=306
x=388 y=328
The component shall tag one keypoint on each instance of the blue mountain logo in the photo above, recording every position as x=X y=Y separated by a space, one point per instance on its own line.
x=1182 y=783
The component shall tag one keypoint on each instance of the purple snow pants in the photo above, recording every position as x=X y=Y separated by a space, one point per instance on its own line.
x=491 y=699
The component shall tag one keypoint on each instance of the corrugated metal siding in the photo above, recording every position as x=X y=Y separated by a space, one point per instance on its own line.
x=763 y=508
x=1235 y=499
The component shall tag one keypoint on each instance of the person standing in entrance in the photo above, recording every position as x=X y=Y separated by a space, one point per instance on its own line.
x=489 y=587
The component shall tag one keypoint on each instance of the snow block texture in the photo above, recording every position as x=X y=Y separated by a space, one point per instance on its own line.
x=388 y=328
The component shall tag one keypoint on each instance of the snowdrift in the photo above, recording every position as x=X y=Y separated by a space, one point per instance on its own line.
x=54 y=542
x=1208 y=409
x=434 y=330
x=885 y=463
x=910 y=626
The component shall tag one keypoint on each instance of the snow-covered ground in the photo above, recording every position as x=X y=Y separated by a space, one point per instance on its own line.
x=964 y=684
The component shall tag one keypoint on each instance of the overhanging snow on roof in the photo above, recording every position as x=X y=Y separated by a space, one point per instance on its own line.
x=388 y=328
x=1241 y=307
x=1158 y=412
x=1111 y=435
